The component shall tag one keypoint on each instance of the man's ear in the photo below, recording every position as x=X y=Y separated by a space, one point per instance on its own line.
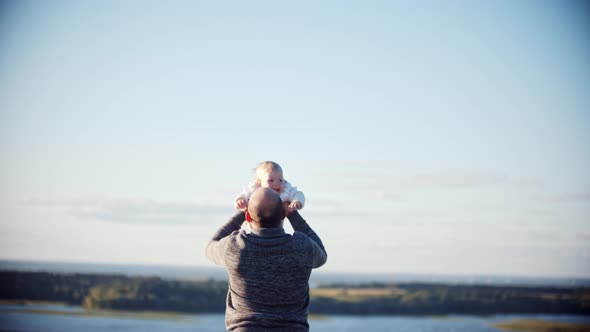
x=248 y=217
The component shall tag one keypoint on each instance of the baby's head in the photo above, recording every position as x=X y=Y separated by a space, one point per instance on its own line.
x=270 y=175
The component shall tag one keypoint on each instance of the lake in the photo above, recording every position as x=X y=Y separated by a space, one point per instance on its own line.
x=59 y=318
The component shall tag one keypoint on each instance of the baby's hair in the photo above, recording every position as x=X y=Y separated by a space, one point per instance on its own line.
x=266 y=167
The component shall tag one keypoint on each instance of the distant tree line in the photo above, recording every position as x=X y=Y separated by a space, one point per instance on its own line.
x=102 y=291
x=439 y=299
x=119 y=292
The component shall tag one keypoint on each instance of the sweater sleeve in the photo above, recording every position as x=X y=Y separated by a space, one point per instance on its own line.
x=320 y=256
x=217 y=246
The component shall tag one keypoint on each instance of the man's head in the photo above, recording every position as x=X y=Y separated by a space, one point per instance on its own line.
x=266 y=208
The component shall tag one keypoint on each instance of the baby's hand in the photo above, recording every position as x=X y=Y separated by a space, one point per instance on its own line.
x=241 y=204
x=293 y=206
x=296 y=205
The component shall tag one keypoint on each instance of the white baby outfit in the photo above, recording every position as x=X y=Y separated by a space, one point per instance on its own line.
x=290 y=194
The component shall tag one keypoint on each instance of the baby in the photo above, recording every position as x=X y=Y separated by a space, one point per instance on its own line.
x=269 y=174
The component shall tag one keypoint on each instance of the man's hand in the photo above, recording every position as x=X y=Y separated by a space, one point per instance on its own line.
x=241 y=205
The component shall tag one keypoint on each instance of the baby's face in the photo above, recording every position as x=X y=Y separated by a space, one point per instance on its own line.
x=274 y=181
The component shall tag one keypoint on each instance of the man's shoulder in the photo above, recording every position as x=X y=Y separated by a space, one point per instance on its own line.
x=238 y=237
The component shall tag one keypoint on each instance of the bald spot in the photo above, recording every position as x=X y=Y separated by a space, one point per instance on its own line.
x=265 y=207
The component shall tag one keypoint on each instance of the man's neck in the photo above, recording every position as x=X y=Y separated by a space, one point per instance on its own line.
x=268 y=232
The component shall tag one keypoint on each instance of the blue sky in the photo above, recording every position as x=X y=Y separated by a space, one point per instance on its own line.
x=430 y=137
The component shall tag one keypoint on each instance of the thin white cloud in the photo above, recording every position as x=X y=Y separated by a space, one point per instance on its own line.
x=401 y=185
x=343 y=214
x=585 y=236
x=571 y=197
x=394 y=178
x=455 y=179
x=129 y=211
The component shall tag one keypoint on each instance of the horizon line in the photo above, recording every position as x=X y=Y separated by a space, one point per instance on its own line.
x=403 y=274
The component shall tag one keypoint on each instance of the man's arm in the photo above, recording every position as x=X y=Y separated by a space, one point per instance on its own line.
x=218 y=244
x=319 y=252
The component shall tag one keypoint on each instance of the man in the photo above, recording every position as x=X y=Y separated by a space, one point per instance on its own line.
x=268 y=269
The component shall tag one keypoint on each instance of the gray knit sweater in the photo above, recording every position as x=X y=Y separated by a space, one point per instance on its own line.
x=268 y=274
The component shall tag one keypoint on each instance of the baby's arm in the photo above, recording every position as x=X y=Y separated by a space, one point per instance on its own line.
x=241 y=201
x=294 y=196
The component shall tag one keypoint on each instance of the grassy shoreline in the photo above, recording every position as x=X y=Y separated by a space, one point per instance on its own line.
x=153 y=315
x=539 y=325
x=30 y=302
x=157 y=315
